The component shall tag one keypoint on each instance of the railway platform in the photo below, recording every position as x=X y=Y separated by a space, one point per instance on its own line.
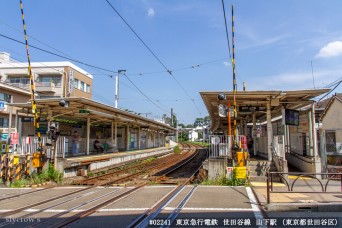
x=71 y=166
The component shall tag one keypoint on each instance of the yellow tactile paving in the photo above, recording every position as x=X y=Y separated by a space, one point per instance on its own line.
x=301 y=178
x=261 y=184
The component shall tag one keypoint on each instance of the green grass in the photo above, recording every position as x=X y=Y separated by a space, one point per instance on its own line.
x=90 y=174
x=176 y=150
x=19 y=183
x=49 y=174
x=223 y=181
x=150 y=160
x=203 y=144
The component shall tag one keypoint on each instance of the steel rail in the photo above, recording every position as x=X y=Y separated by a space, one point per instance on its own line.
x=142 y=221
x=26 y=193
x=121 y=171
x=6 y=214
x=156 y=166
x=58 y=204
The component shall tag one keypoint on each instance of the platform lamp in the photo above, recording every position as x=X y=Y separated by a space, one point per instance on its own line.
x=117 y=87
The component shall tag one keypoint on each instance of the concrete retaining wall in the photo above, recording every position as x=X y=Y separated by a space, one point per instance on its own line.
x=304 y=164
x=215 y=167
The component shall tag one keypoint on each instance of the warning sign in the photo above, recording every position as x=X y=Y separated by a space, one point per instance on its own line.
x=241 y=172
x=229 y=172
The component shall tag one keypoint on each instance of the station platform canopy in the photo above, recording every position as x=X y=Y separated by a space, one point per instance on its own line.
x=82 y=109
x=249 y=102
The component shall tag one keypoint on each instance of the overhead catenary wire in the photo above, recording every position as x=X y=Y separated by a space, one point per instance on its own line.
x=225 y=23
x=68 y=57
x=337 y=84
x=111 y=76
x=150 y=50
x=58 y=55
x=146 y=95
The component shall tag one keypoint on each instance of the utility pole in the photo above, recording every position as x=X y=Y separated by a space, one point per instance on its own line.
x=171 y=117
x=117 y=87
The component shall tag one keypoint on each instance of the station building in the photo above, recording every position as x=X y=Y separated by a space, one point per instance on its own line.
x=64 y=97
x=281 y=126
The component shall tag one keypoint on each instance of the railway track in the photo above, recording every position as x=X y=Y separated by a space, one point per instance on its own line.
x=141 y=170
x=102 y=197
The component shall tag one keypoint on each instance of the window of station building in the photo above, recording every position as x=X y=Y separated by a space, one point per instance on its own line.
x=76 y=83
x=45 y=80
x=3 y=122
x=87 y=88
x=81 y=86
x=18 y=80
x=5 y=97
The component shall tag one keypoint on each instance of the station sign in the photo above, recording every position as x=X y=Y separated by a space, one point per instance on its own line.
x=252 y=108
x=2 y=105
x=84 y=111
x=26 y=119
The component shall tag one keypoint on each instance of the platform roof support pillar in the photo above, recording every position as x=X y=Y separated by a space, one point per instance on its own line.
x=88 y=136
x=269 y=130
x=127 y=137
x=116 y=134
x=254 y=134
x=139 y=138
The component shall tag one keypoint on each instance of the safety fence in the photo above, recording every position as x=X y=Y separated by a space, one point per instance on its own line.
x=29 y=146
x=14 y=167
x=221 y=145
x=310 y=188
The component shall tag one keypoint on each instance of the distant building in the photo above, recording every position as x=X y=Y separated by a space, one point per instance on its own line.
x=52 y=79
x=332 y=123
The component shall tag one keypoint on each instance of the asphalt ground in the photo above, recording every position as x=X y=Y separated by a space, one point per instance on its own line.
x=193 y=206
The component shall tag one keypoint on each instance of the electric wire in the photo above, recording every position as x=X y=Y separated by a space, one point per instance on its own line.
x=338 y=83
x=149 y=49
x=225 y=22
x=138 y=36
x=146 y=95
x=58 y=55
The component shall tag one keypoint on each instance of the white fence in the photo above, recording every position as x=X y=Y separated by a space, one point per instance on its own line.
x=29 y=145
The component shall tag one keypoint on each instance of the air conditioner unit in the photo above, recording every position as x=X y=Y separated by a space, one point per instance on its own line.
x=339 y=148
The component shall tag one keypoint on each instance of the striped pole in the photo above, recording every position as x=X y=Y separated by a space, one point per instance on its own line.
x=29 y=71
x=2 y=165
x=235 y=145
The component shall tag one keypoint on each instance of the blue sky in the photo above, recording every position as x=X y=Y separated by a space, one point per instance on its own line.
x=275 y=44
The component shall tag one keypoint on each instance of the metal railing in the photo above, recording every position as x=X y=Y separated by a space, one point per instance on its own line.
x=29 y=146
x=219 y=146
x=290 y=187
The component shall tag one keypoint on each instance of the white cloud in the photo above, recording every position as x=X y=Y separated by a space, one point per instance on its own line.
x=226 y=63
x=150 y=12
x=330 y=50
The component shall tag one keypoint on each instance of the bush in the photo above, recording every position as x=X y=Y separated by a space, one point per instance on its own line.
x=176 y=150
x=54 y=174
x=223 y=181
x=19 y=183
x=49 y=174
